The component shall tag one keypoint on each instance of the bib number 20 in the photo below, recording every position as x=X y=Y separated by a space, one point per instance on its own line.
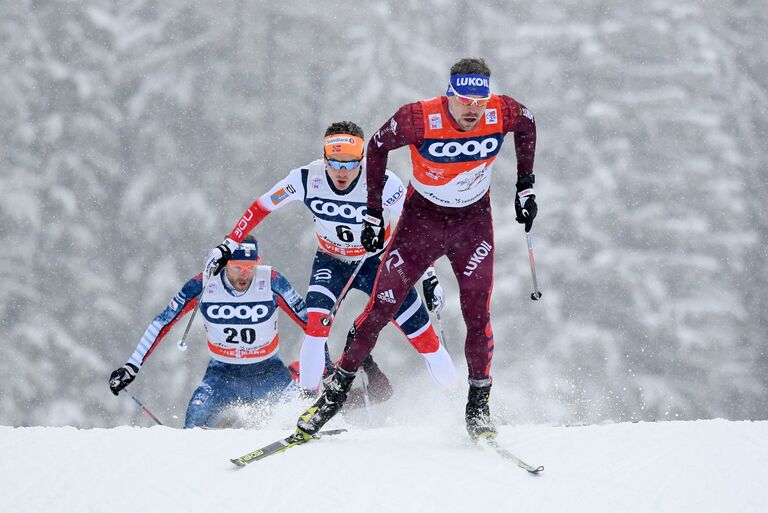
x=244 y=335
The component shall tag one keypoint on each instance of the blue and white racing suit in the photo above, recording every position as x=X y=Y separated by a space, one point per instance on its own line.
x=338 y=216
x=243 y=340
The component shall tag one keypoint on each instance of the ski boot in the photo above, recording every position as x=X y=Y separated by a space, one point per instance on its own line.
x=328 y=404
x=478 y=414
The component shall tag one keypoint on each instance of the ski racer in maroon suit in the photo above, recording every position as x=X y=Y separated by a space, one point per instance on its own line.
x=454 y=141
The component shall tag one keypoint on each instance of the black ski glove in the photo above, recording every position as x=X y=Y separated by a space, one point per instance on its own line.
x=372 y=237
x=525 y=202
x=219 y=256
x=433 y=292
x=122 y=377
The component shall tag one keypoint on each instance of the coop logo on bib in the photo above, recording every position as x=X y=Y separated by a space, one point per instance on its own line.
x=238 y=313
x=461 y=150
x=339 y=212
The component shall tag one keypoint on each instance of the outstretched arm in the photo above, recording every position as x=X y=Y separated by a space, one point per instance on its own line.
x=179 y=306
x=288 y=189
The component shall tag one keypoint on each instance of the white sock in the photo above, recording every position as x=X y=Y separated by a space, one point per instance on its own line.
x=311 y=362
x=440 y=367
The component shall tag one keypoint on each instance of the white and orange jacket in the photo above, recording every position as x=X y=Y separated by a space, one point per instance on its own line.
x=338 y=214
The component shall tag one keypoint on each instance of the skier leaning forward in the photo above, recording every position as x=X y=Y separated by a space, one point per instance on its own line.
x=454 y=140
x=334 y=189
x=239 y=309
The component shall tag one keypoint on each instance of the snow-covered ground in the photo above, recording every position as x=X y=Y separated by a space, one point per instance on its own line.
x=712 y=466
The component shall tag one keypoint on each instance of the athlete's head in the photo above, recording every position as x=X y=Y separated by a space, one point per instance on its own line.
x=242 y=266
x=469 y=91
x=343 y=146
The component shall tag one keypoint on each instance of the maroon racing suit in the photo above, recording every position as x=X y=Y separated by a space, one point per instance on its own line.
x=430 y=227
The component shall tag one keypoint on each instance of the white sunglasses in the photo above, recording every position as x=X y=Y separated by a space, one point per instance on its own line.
x=469 y=100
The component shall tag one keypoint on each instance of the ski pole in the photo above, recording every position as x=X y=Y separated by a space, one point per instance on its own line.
x=442 y=333
x=366 y=396
x=364 y=381
x=326 y=321
x=536 y=294
x=182 y=343
x=144 y=408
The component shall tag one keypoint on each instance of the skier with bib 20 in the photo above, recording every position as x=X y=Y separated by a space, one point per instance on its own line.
x=239 y=310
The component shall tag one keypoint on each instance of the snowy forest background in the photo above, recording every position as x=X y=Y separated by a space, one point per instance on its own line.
x=134 y=133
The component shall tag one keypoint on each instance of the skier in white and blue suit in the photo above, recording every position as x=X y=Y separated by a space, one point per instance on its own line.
x=239 y=310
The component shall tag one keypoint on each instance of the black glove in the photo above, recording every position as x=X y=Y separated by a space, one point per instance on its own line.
x=219 y=256
x=372 y=237
x=433 y=293
x=122 y=377
x=526 y=209
x=525 y=202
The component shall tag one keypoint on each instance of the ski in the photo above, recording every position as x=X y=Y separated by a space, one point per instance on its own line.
x=504 y=453
x=281 y=445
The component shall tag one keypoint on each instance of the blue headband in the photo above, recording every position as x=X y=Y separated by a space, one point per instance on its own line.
x=247 y=251
x=470 y=85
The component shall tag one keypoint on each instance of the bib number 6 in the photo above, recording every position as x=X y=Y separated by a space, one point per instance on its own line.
x=344 y=233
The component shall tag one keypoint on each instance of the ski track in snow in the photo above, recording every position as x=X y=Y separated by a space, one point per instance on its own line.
x=703 y=466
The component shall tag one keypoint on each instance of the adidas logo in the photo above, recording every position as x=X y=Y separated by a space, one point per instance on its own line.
x=387 y=296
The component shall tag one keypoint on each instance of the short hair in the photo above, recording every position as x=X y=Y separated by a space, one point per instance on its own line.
x=344 y=127
x=471 y=66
